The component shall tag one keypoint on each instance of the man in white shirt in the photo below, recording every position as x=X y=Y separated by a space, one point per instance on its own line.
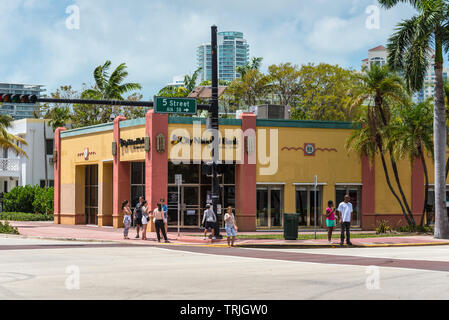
x=209 y=220
x=344 y=212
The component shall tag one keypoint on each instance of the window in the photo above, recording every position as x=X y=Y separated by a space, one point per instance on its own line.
x=50 y=144
x=355 y=192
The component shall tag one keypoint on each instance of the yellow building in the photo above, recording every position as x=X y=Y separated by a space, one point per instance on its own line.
x=269 y=169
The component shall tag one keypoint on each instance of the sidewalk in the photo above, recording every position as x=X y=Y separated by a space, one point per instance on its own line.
x=48 y=230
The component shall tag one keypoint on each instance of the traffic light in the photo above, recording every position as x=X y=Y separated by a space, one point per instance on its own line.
x=17 y=98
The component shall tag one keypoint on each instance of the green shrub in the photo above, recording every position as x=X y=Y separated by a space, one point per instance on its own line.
x=423 y=229
x=383 y=227
x=29 y=199
x=20 y=216
x=6 y=228
x=43 y=201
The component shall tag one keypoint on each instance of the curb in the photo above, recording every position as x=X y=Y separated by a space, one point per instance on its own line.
x=336 y=246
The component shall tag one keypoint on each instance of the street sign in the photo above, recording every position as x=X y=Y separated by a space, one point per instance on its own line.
x=175 y=105
x=178 y=179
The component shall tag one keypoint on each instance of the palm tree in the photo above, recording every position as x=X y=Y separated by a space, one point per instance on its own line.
x=410 y=135
x=7 y=140
x=409 y=50
x=255 y=64
x=380 y=87
x=190 y=81
x=109 y=87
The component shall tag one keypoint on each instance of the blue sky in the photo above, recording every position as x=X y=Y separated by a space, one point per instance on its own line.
x=157 y=39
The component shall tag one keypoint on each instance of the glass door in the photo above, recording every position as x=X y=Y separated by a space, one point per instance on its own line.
x=91 y=195
x=305 y=206
x=172 y=205
x=354 y=193
x=270 y=207
x=191 y=206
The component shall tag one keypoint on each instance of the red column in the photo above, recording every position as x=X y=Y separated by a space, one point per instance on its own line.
x=368 y=194
x=246 y=178
x=57 y=176
x=156 y=164
x=418 y=187
x=121 y=179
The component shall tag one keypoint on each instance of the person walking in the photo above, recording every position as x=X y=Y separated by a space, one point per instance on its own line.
x=330 y=220
x=165 y=209
x=209 y=220
x=230 y=226
x=126 y=218
x=145 y=219
x=158 y=215
x=345 y=213
x=138 y=216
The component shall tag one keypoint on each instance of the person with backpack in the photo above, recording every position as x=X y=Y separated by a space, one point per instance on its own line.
x=138 y=216
x=209 y=220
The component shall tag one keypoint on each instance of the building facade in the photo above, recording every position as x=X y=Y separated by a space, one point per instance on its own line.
x=269 y=170
x=379 y=55
x=233 y=51
x=37 y=167
x=19 y=110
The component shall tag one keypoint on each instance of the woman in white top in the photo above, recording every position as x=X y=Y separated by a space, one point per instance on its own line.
x=126 y=218
x=145 y=219
x=231 y=227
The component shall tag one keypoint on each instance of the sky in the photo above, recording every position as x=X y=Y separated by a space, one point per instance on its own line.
x=43 y=43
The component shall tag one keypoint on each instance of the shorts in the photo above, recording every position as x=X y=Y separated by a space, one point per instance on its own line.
x=230 y=231
x=209 y=225
x=138 y=221
x=330 y=223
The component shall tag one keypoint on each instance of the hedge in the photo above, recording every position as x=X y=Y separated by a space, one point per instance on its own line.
x=20 y=216
x=29 y=199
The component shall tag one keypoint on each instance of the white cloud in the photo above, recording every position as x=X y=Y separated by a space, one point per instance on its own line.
x=158 y=39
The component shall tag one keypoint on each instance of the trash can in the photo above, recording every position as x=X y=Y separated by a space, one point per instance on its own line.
x=291 y=222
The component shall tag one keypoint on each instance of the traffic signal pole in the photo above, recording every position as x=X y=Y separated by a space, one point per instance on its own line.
x=213 y=124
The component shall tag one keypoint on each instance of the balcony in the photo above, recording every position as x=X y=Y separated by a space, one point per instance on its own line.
x=9 y=167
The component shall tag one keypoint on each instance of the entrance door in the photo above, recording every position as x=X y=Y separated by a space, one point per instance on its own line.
x=91 y=195
x=270 y=207
x=191 y=206
x=305 y=206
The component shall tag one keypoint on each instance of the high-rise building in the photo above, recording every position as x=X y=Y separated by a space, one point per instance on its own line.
x=233 y=51
x=19 y=110
x=378 y=55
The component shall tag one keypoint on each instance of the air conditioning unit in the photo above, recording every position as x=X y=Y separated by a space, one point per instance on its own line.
x=271 y=111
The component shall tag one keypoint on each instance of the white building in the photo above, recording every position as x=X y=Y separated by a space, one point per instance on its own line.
x=17 y=170
x=378 y=55
x=178 y=81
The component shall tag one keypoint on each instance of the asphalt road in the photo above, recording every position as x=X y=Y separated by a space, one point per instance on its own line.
x=39 y=269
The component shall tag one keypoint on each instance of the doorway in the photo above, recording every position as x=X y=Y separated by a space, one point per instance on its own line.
x=270 y=207
x=91 y=195
x=189 y=206
x=305 y=205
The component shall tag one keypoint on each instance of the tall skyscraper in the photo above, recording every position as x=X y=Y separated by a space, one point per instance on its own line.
x=378 y=55
x=233 y=51
x=17 y=110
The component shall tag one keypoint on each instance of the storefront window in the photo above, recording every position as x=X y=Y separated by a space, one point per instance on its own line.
x=305 y=205
x=137 y=182
x=190 y=173
x=431 y=205
x=270 y=206
x=355 y=193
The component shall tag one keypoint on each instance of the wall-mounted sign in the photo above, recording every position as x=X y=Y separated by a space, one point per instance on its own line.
x=86 y=154
x=179 y=139
x=136 y=144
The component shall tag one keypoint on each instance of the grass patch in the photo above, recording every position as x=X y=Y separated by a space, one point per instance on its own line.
x=322 y=236
x=20 y=216
x=6 y=228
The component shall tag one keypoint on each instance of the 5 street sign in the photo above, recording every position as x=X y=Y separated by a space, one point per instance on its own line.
x=175 y=105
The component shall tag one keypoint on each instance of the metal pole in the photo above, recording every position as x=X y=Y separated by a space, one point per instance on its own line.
x=179 y=210
x=316 y=184
x=215 y=127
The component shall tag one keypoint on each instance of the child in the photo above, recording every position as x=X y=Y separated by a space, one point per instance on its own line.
x=330 y=220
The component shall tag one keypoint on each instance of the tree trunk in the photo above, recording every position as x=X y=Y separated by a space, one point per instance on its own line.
x=440 y=137
x=426 y=189
x=401 y=191
x=387 y=177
